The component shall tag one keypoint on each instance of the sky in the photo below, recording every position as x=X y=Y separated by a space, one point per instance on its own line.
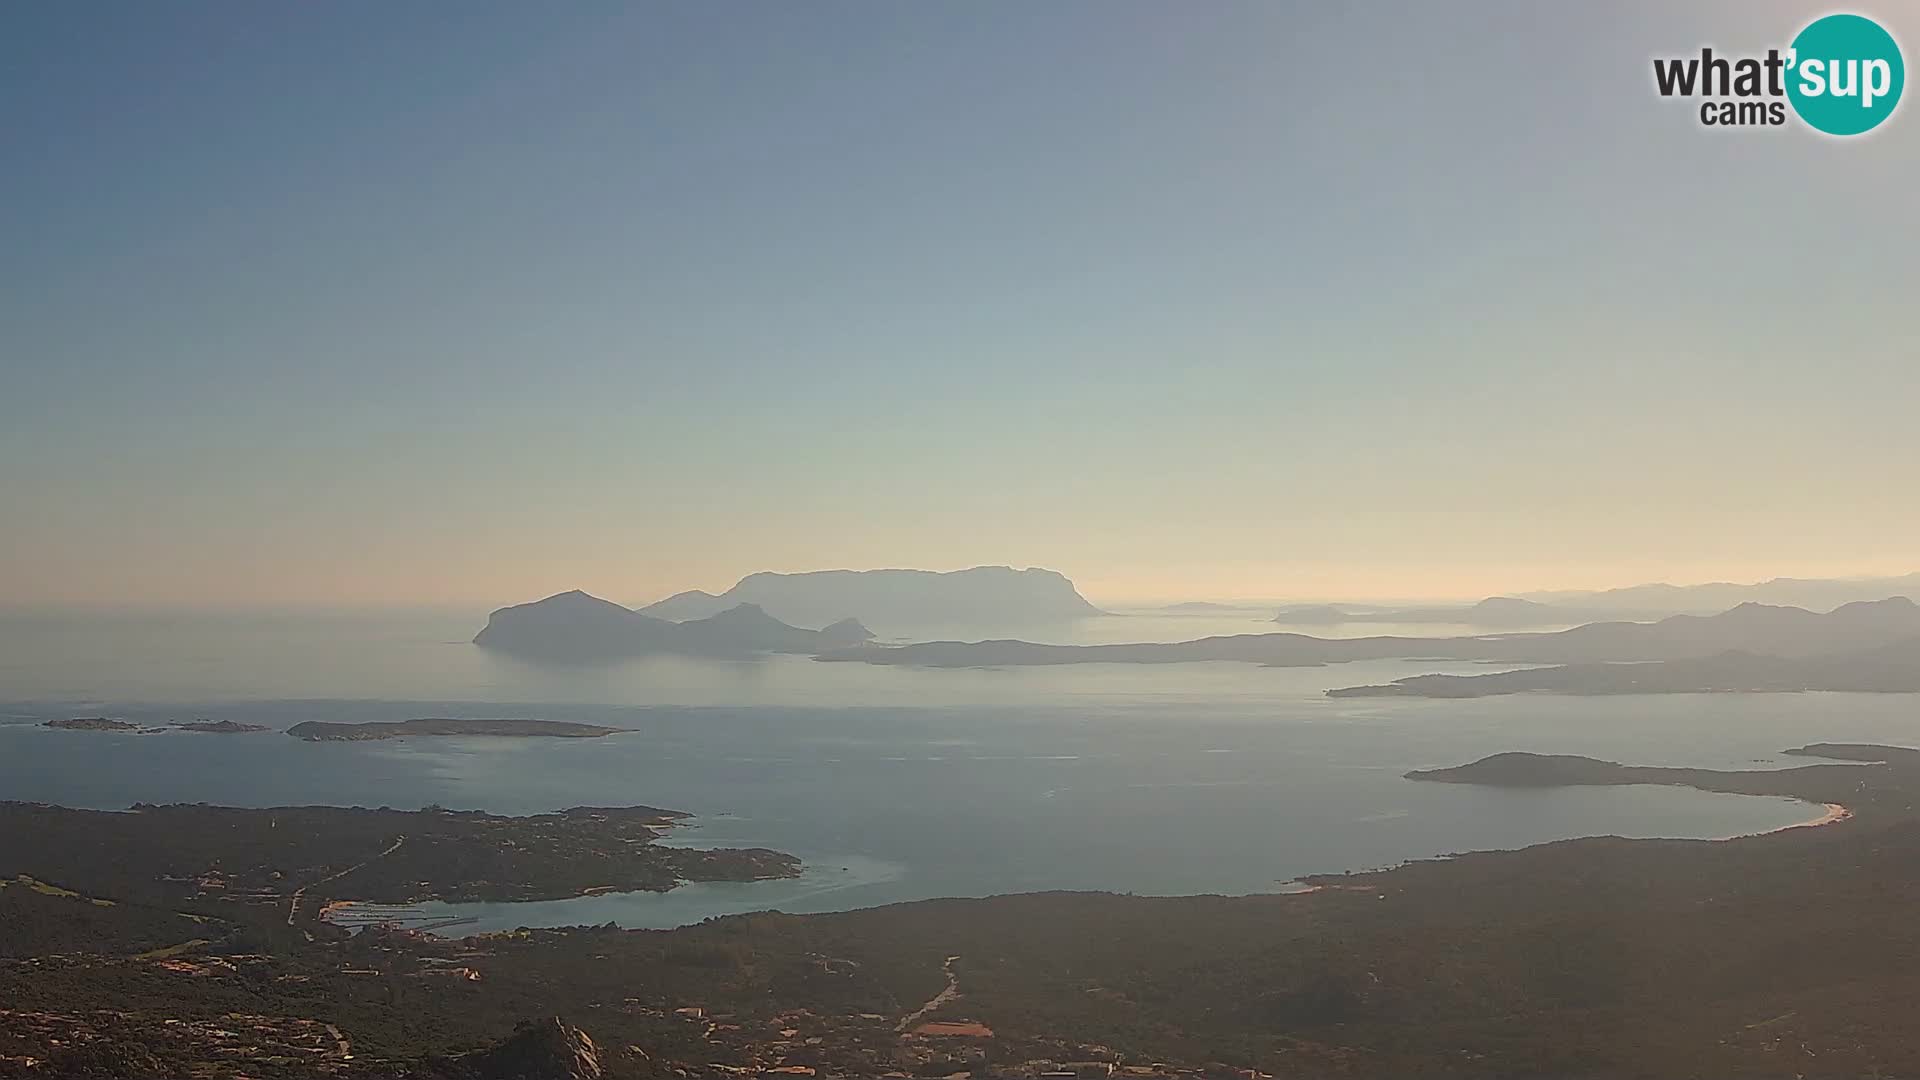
x=364 y=304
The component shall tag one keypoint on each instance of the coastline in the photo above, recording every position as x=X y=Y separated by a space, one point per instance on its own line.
x=687 y=903
x=1834 y=813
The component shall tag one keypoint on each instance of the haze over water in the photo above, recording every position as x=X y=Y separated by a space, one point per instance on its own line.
x=891 y=783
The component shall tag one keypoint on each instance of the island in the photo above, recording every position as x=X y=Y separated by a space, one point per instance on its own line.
x=1888 y=669
x=1664 y=599
x=91 y=723
x=895 y=599
x=1494 y=611
x=574 y=627
x=1780 y=632
x=219 y=727
x=326 y=731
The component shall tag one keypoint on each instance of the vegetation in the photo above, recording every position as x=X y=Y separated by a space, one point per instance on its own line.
x=274 y=869
x=1777 y=955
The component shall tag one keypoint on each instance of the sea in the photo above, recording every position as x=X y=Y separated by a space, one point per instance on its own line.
x=891 y=784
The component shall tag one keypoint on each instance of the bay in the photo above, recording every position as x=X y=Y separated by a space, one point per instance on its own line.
x=895 y=784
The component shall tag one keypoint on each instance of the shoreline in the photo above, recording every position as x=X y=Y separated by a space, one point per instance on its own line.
x=1831 y=814
x=1834 y=813
x=459 y=913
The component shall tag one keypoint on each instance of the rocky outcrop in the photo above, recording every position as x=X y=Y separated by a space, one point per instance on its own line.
x=549 y=1049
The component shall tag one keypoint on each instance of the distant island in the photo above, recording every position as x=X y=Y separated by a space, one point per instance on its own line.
x=1494 y=611
x=1756 y=628
x=576 y=627
x=1888 y=669
x=1817 y=594
x=219 y=727
x=1204 y=607
x=91 y=723
x=324 y=731
x=1831 y=784
x=983 y=595
x=102 y=723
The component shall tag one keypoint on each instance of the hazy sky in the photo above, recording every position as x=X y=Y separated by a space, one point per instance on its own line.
x=356 y=303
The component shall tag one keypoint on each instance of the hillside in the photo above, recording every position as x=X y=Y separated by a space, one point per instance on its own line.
x=1764 y=956
x=574 y=626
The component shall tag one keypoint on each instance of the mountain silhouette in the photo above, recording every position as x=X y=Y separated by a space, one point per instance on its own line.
x=1817 y=594
x=1494 y=611
x=573 y=626
x=1755 y=628
x=983 y=595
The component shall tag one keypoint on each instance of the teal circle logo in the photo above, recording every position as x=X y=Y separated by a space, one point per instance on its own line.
x=1845 y=74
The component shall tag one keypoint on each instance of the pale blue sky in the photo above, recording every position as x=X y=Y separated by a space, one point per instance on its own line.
x=463 y=303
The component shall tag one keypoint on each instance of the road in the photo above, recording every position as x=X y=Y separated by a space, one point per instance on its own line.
x=293 y=904
x=951 y=992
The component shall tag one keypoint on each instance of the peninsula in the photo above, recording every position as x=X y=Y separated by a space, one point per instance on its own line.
x=279 y=865
x=1822 y=783
x=1494 y=611
x=1888 y=669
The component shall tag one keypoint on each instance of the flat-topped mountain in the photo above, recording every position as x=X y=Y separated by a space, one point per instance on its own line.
x=998 y=595
x=1754 y=628
x=1202 y=607
x=574 y=626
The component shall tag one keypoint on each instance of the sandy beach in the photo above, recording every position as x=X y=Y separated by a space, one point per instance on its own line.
x=1831 y=814
x=1834 y=812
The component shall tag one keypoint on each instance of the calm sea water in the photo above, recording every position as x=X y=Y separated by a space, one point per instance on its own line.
x=893 y=784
